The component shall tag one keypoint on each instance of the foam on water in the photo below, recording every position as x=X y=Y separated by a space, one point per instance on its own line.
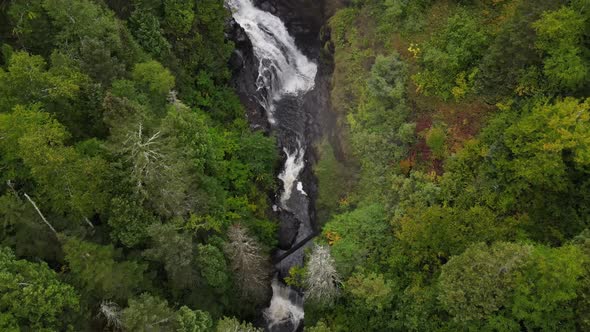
x=300 y=188
x=293 y=166
x=286 y=306
x=283 y=69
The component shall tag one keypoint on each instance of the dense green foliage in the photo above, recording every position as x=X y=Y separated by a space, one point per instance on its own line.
x=454 y=195
x=124 y=159
x=467 y=125
x=33 y=296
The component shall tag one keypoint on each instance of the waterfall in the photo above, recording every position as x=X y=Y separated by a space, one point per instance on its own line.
x=293 y=166
x=285 y=76
x=286 y=307
x=283 y=69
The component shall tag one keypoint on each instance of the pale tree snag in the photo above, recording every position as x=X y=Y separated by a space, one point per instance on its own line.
x=111 y=313
x=145 y=156
x=321 y=278
x=88 y=222
x=250 y=267
x=40 y=214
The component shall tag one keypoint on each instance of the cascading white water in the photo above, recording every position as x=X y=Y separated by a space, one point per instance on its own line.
x=293 y=166
x=283 y=309
x=283 y=69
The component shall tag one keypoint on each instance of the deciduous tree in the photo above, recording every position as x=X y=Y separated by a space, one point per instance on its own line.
x=227 y=324
x=559 y=35
x=478 y=284
x=33 y=297
x=148 y=313
x=94 y=269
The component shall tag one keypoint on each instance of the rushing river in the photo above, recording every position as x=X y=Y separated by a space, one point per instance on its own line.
x=285 y=77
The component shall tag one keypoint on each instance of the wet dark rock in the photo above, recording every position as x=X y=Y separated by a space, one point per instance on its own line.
x=300 y=120
x=284 y=327
x=236 y=33
x=303 y=19
x=244 y=67
x=236 y=61
x=288 y=229
x=267 y=6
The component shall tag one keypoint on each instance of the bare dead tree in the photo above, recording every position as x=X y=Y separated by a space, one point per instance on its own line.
x=321 y=278
x=88 y=222
x=173 y=98
x=40 y=214
x=160 y=175
x=251 y=268
x=111 y=312
x=144 y=154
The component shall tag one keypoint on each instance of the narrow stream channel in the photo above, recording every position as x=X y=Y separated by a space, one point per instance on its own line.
x=285 y=77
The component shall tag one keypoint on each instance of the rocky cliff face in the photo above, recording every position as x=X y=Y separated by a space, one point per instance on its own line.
x=299 y=119
x=304 y=20
x=244 y=67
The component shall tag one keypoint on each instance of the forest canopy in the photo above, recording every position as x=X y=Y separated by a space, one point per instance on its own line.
x=465 y=126
x=453 y=192
x=125 y=158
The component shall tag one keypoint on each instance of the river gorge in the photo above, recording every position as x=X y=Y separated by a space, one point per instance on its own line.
x=284 y=84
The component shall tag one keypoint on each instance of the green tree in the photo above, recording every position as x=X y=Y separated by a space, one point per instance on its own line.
x=435 y=139
x=545 y=304
x=129 y=220
x=477 y=285
x=23 y=229
x=8 y=323
x=153 y=78
x=95 y=269
x=99 y=62
x=69 y=180
x=151 y=313
x=560 y=35
x=77 y=20
x=193 y=320
x=582 y=305
x=451 y=54
x=430 y=236
x=379 y=126
x=213 y=267
x=31 y=26
x=146 y=29
x=371 y=291
x=179 y=16
x=227 y=324
x=174 y=250
x=253 y=157
x=544 y=134
x=388 y=78
x=512 y=55
x=493 y=286
x=32 y=297
x=148 y=313
x=359 y=237
x=319 y=327
x=28 y=81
